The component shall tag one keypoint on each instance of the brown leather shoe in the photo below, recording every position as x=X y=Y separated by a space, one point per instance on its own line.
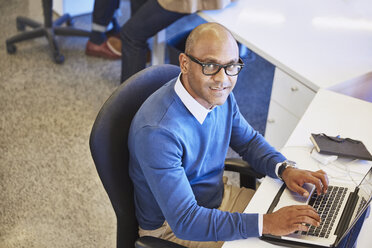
x=114 y=44
x=102 y=51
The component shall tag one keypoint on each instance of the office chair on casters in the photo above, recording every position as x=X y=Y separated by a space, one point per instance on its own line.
x=108 y=145
x=49 y=30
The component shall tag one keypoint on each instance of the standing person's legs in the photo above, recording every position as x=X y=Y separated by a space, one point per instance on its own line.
x=148 y=19
x=103 y=14
x=135 y=5
x=97 y=44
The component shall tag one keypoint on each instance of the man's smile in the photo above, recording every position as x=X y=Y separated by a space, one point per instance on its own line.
x=217 y=88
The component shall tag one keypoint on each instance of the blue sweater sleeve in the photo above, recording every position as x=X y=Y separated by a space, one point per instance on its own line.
x=252 y=146
x=162 y=167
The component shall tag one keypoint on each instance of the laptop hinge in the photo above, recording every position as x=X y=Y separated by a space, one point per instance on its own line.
x=347 y=213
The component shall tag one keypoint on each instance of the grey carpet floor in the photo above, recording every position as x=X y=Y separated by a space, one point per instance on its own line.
x=50 y=193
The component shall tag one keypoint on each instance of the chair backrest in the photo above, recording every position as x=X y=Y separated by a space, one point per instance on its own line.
x=108 y=143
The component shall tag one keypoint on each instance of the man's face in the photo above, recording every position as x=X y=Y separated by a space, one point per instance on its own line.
x=212 y=90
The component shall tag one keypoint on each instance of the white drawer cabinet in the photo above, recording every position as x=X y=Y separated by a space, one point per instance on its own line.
x=291 y=94
x=280 y=124
x=289 y=100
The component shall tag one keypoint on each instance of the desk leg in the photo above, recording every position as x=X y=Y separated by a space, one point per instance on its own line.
x=158 y=48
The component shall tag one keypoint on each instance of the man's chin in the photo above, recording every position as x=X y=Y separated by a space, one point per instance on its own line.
x=219 y=101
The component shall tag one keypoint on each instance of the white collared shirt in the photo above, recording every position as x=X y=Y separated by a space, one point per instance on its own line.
x=196 y=109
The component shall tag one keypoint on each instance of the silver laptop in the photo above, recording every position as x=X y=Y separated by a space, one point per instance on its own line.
x=340 y=209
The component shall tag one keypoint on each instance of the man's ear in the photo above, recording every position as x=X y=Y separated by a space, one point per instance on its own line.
x=184 y=63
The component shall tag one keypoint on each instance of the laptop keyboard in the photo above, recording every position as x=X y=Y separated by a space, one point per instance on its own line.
x=327 y=205
x=362 y=203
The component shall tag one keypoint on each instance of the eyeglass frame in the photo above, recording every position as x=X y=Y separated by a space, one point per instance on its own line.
x=203 y=64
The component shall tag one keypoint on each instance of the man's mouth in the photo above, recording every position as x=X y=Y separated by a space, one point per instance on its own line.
x=218 y=88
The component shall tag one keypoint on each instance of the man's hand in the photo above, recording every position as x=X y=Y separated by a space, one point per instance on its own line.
x=290 y=219
x=295 y=179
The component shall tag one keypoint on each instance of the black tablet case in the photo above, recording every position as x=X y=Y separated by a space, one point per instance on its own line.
x=344 y=147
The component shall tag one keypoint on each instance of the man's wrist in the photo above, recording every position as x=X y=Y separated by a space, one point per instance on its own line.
x=266 y=224
x=286 y=164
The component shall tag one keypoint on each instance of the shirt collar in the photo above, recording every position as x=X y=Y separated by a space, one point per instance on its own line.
x=196 y=109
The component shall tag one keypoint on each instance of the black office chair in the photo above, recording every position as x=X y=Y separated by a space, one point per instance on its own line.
x=49 y=30
x=108 y=144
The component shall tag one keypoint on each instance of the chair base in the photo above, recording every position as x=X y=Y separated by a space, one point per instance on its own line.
x=39 y=30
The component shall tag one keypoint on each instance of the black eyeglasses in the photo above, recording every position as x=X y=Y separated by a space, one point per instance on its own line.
x=210 y=69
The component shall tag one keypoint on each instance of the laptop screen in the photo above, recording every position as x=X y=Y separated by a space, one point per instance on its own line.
x=365 y=197
x=365 y=187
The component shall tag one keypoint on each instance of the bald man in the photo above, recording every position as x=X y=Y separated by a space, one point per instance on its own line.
x=178 y=142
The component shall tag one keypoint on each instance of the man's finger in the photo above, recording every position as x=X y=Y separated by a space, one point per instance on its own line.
x=317 y=182
x=307 y=210
x=324 y=179
x=300 y=190
x=307 y=220
x=300 y=227
x=312 y=214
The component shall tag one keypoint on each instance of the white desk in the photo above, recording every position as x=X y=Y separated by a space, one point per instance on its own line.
x=313 y=44
x=331 y=113
x=74 y=8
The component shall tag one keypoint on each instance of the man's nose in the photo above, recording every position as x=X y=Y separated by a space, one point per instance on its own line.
x=221 y=76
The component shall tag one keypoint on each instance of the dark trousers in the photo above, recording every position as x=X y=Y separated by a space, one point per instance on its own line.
x=147 y=18
x=104 y=10
x=103 y=14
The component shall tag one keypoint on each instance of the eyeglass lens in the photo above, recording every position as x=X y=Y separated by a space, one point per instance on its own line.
x=231 y=70
x=210 y=69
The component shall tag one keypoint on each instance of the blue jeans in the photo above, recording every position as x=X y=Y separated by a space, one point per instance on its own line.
x=350 y=239
x=147 y=18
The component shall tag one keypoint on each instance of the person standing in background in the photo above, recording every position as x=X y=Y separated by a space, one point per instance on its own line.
x=148 y=18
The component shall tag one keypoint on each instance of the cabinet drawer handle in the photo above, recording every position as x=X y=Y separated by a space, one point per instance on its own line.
x=271 y=120
x=294 y=88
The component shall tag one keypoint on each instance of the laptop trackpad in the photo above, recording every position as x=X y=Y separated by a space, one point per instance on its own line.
x=289 y=198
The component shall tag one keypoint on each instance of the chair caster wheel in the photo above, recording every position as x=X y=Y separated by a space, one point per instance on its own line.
x=11 y=49
x=70 y=22
x=59 y=58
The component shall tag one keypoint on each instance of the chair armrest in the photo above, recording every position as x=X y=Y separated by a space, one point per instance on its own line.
x=152 y=242
x=241 y=166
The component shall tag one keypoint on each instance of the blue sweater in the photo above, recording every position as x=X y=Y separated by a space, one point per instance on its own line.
x=177 y=164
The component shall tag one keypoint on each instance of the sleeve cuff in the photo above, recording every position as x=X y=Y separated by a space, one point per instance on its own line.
x=277 y=169
x=260 y=224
